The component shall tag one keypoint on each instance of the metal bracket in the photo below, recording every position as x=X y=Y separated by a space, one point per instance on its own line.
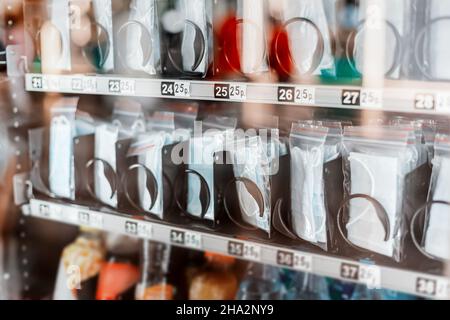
x=16 y=62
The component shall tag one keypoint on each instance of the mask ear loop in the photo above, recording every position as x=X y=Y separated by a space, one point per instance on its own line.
x=318 y=53
x=351 y=40
x=259 y=195
x=38 y=44
x=379 y=209
x=425 y=208
x=154 y=183
x=419 y=42
x=146 y=35
x=103 y=57
x=106 y=168
x=226 y=45
x=201 y=57
x=204 y=190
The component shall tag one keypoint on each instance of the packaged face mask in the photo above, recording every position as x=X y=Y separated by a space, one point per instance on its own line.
x=397 y=23
x=309 y=35
x=141 y=51
x=250 y=161
x=61 y=161
x=432 y=41
x=437 y=235
x=377 y=160
x=197 y=14
x=55 y=38
x=253 y=55
x=105 y=45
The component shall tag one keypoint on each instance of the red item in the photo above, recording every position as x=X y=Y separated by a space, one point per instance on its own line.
x=116 y=278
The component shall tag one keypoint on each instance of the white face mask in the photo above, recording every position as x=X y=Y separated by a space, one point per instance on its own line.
x=61 y=176
x=307 y=197
x=152 y=159
x=142 y=52
x=304 y=38
x=103 y=16
x=106 y=137
x=375 y=176
x=201 y=160
x=437 y=239
x=196 y=12
x=438 y=40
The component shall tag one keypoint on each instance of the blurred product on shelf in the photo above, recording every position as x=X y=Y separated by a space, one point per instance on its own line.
x=305 y=286
x=79 y=267
x=119 y=273
x=261 y=282
x=216 y=280
x=153 y=284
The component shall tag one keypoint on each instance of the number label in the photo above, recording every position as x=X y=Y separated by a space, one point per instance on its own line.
x=138 y=229
x=122 y=86
x=306 y=96
x=221 y=91
x=425 y=101
x=91 y=219
x=426 y=286
x=370 y=276
x=186 y=238
x=294 y=260
x=350 y=271
x=36 y=82
x=175 y=89
x=351 y=97
x=244 y=250
x=238 y=92
x=286 y=94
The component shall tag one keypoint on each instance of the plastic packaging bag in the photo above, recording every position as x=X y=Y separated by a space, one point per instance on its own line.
x=398 y=18
x=61 y=161
x=309 y=35
x=201 y=161
x=376 y=161
x=104 y=49
x=140 y=34
x=437 y=232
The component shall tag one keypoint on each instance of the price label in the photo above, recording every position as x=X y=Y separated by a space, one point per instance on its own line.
x=286 y=94
x=86 y=85
x=294 y=260
x=186 y=238
x=122 y=86
x=351 y=98
x=425 y=101
x=44 y=210
x=221 y=91
x=36 y=83
x=90 y=219
x=371 y=98
x=443 y=102
x=175 y=89
x=350 y=271
x=238 y=92
x=305 y=96
x=370 y=276
x=138 y=229
x=244 y=250
x=433 y=287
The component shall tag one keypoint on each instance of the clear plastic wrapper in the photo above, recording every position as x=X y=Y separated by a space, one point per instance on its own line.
x=201 y=161
x=436 y=240
x=376 y=162
x=398 y=18
x=310 y=35
x=139 y=50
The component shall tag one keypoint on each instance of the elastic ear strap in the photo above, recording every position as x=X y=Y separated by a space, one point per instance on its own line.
x=423 y=209
x=227 y=209
x=149 y=174
x=419 y=41
x=147 y=56
x=204 y=184
x=398 y=48
x=89 y=183
x=379 y=209
x=319 y=51
x=103 y=57
x=201 y=56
